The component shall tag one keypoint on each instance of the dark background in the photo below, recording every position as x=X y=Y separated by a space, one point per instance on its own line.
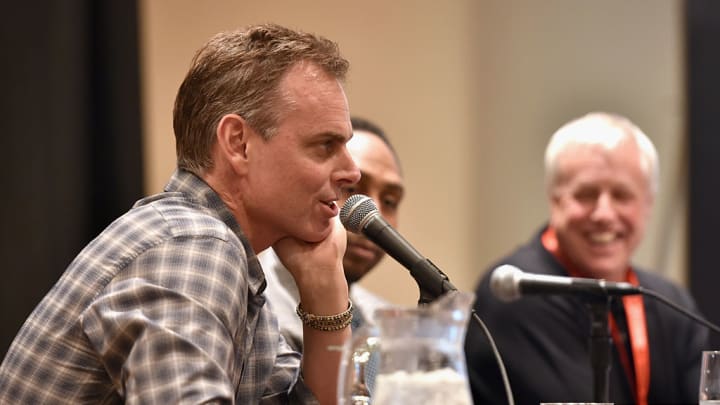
x=702 y=19
x=71 y=138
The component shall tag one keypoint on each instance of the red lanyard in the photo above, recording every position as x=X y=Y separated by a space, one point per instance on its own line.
x=636 y=325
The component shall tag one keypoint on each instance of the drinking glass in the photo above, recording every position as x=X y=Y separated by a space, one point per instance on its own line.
x=710 y=378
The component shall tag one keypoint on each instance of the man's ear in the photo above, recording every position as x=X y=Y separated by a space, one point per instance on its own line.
x=232 y=137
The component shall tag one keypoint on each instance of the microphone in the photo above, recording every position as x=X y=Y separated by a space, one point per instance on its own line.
x=508 y=283
x=359 y=214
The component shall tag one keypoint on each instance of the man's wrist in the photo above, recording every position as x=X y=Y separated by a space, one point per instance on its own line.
x=328 y=323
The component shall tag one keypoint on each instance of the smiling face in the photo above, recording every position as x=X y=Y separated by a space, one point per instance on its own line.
x=600 y=202
x=294 y=179
x=381 y=180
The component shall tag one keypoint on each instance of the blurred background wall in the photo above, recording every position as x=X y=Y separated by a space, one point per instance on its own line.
x=468 y=90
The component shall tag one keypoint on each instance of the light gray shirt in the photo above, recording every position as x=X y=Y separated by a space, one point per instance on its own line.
x=283 y=297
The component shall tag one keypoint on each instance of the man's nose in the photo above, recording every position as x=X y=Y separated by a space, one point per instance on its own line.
x=604 y=208
x=348 y=173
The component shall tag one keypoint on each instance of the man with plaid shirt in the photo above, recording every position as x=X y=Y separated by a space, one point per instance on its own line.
x=166 y=305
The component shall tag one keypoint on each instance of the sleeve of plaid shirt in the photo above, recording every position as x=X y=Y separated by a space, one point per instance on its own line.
x=179 y=324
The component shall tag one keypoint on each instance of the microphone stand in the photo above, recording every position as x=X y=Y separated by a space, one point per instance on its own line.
x=600 y=345
x=600 y=342
x=431 y=281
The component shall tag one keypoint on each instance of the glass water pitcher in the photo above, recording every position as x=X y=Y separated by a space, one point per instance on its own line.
x=409 y=356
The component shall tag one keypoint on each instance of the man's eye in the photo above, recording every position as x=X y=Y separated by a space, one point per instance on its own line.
x=623 y=195
x=327 y=146
x=586 y=195
x=391 y=202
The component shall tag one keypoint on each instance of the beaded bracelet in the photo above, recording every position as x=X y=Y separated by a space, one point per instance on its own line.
x=327 y=323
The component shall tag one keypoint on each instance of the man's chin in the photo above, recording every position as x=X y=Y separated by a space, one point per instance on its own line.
x=608 y=271
x=316 y=236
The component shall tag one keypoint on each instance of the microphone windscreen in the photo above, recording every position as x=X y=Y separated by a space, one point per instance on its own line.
x=355 y=210
x=504 y=283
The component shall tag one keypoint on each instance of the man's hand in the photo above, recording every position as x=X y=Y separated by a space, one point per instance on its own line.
x=318 y=272
x=312 y=263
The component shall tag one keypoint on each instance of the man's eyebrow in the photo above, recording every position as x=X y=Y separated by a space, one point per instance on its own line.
x=334 y=136
x=396 y=187
x=324 y=137
x=391 y=185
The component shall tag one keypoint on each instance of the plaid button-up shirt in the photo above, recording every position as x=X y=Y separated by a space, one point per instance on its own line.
x=164 y=306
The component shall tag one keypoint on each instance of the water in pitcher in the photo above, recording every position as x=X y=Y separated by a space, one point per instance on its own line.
x=444 y=386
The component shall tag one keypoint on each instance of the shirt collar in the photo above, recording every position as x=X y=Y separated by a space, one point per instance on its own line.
x=199 y=192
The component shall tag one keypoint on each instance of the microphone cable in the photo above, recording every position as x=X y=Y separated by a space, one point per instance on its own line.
x=664 y=300
x=498 y=358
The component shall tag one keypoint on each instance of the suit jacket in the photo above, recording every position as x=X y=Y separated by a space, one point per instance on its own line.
x=544 y=342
